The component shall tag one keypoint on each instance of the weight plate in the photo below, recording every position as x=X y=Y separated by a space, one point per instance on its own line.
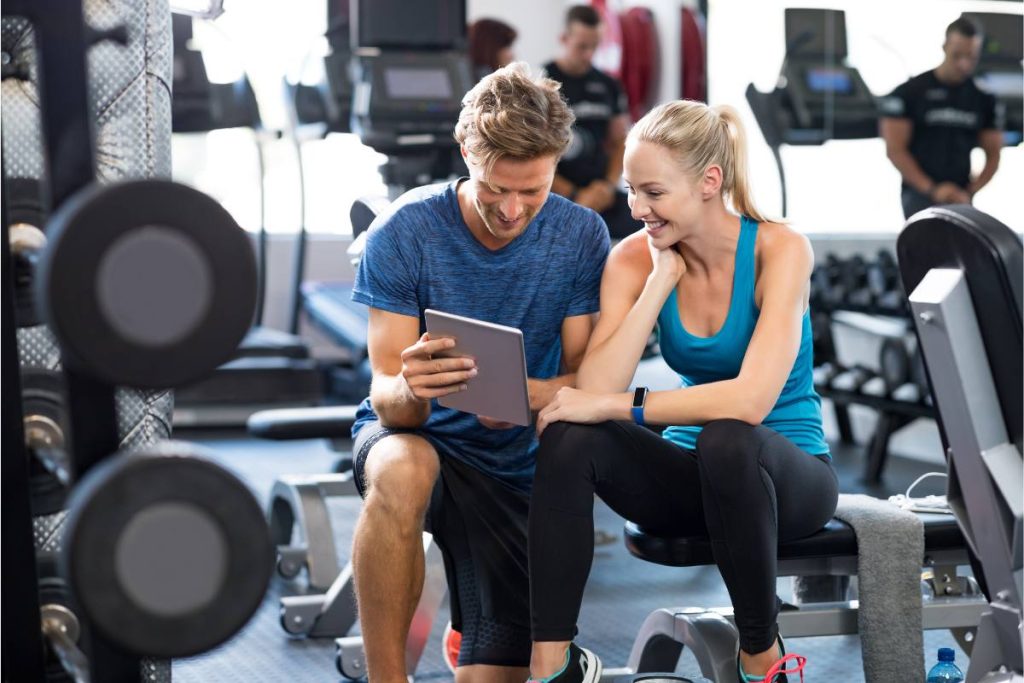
x=168 y=554
x=147 y=283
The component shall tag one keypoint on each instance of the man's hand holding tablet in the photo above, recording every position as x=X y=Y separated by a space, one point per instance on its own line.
x=498 y=392
x=431 y=375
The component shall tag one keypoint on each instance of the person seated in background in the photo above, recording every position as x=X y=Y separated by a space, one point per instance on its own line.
x=591 y=169
x=744 y=458
x=490 y=46
x=931 y=123
x=496 y=246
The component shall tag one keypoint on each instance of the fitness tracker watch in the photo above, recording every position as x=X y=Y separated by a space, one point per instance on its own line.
x=639 y=398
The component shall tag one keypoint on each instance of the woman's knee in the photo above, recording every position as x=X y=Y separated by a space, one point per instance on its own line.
x=727 y=448
x=565 y=447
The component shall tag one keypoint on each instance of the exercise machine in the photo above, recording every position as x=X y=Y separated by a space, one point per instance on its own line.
x=819 y=96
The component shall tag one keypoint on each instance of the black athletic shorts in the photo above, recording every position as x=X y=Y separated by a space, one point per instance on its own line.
x=480 y=526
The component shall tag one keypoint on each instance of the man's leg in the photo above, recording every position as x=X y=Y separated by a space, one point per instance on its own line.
x=480 y=525
x=387 y=550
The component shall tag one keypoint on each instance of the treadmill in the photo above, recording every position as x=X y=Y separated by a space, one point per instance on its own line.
x=999 y=69
x=409 y=69
x=271 y=368
x=818 y=96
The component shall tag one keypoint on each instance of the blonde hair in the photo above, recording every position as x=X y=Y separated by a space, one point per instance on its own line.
x=699 y=136
x=509 y=114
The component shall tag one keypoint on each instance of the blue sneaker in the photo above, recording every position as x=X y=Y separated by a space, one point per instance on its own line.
x=581 y=666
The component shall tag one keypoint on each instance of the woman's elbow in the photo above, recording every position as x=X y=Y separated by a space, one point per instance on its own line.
x=749 y=414
x=751 y=408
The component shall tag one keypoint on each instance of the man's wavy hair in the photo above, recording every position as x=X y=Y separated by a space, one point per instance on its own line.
x=511 y=115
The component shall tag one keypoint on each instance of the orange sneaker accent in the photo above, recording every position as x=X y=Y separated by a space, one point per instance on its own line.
x=451 y=643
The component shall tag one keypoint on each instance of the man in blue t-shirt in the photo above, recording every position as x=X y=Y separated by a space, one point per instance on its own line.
x=496 y=246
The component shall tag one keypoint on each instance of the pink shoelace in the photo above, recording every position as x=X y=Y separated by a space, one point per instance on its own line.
x=778 y=667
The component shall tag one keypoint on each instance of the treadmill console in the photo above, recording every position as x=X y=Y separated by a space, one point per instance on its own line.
x=823 y=97
x=819 y=96
x=404 y=100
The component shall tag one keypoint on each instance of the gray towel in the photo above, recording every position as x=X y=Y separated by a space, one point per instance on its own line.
x=890 y=545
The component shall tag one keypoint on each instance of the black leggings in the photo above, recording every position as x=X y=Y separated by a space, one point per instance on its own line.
x=746 y=487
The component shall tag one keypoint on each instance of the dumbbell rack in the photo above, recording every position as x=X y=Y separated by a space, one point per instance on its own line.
x=22 y=641
x=151 y=533
x=894 y=413
x=69 y=165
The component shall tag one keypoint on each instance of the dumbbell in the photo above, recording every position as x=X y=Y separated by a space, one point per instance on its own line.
x=894 y=362
x=882 y=273
x=167 y=554
x=852 y=379
x=146 y=283
x=826 y=284
x=885 y=285
x=821 y=334
x=822 y=374
x=854 y=276
x=150 y=284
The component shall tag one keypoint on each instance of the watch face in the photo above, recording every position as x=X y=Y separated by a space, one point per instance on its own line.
x=638 y=397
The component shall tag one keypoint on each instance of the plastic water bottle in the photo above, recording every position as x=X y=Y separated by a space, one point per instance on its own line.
x=946 y=671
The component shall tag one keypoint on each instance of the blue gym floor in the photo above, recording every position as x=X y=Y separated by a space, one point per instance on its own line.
x=621 y=592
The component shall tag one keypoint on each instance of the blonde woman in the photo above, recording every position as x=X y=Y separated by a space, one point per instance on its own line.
x=743 y=458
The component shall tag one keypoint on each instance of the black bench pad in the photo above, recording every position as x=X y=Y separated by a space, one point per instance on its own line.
x=835 y=540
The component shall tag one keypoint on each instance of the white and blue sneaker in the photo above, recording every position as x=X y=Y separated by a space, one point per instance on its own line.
x=581 y=666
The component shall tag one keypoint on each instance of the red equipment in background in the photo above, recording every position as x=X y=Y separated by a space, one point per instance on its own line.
x=640 y=58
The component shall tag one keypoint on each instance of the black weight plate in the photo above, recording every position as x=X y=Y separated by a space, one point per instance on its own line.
x=42 y=393
x=168 y=554
x=147 y=283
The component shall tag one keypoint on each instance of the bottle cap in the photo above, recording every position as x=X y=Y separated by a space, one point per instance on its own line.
x=947 y=654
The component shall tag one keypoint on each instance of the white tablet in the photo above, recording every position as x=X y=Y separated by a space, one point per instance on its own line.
x=499 y=388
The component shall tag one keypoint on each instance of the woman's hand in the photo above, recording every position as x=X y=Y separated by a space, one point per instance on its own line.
x=668 y=263
x=574 y=405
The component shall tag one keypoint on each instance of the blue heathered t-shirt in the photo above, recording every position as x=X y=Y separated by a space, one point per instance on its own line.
x=420 y=254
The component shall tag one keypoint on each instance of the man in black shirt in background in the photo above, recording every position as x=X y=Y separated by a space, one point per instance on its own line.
x=590 y=170
x=931 y=123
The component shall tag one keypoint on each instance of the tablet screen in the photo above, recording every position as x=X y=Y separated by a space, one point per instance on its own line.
x=499 y=388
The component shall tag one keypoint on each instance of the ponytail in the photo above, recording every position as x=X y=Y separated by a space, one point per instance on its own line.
x=739 y=188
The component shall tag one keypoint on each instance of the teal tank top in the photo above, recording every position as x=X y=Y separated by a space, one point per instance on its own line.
x=699 y=360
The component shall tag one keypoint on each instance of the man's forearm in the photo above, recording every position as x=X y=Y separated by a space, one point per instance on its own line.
x=543 y=390
x=991 y=166
x=395 y=404
x=912 y=174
